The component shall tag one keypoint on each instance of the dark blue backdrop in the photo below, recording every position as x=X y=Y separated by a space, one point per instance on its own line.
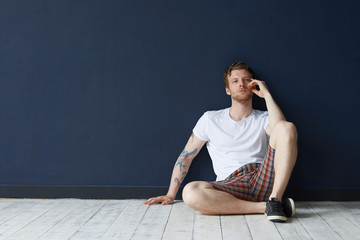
x=107 y=92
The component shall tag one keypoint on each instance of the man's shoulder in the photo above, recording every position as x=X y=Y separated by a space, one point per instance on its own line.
x=216 y=114
x=259 y=113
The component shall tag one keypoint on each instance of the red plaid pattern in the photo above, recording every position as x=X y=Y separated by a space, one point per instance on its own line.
x=252 y=182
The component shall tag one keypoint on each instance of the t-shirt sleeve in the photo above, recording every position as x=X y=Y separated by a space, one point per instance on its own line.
x=266 y=116
x=265 y=120
x=200 y=129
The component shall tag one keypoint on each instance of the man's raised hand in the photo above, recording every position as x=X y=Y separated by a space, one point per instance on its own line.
x=263 y=89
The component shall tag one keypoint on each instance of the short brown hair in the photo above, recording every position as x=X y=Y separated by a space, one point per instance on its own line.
x=236 y=66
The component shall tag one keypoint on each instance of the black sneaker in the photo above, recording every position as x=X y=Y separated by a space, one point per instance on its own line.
x=289 y=207
x=274 y=211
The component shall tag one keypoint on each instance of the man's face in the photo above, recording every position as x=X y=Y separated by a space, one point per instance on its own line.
x=238 y=85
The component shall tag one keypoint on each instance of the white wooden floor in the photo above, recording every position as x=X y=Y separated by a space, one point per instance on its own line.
x=23 y=219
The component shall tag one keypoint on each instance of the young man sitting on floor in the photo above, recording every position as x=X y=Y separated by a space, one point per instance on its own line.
x=253 y=154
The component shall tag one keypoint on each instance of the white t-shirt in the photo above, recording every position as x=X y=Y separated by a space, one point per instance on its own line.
x=233 y=144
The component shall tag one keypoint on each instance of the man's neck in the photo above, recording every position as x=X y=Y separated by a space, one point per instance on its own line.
x=240 y=110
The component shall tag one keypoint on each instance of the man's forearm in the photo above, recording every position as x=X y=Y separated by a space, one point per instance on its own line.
x=180 y=170
x=274 y=111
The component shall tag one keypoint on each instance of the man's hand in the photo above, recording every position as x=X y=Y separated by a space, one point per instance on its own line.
x=164 y=200
x=263 y=89
x=275 y=115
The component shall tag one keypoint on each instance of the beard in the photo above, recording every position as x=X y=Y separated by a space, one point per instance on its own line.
x=242 y=98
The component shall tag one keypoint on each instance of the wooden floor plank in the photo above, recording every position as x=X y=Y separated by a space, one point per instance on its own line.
x=73 y=221
x=18 y=222
x=235 y=227
x=181 y=223
x=153 y=224
x=292 y=230
x=336 y=220
x=4 y=204
x=15 y=208
x=261 y=228
x=351 y=210
x=127 y=221
x=316 y=227
x=100 y=222
x=41 y=225
x=207 y=227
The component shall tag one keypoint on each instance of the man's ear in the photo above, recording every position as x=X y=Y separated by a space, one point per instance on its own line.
x=227 y=90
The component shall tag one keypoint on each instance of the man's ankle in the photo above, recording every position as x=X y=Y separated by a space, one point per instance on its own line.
x=276 y=196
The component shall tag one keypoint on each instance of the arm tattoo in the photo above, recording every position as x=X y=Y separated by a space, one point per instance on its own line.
x=183 y=157
x=177 y=181
x=183 y=176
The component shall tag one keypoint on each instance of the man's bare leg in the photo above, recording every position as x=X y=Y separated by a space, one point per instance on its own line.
x=284 y=140
x=202 y=197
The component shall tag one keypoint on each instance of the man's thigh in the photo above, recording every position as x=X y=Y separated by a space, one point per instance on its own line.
x=263 y=180
x=197 y=186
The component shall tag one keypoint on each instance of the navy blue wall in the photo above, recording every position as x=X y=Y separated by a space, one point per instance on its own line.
x=107 y=92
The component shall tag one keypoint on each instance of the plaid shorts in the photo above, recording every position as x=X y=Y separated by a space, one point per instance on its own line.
x=252 y=182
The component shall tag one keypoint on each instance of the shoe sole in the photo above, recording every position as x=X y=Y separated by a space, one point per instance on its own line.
x=277 y=218
x=292 y=207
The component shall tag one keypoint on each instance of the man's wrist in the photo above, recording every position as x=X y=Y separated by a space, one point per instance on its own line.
x=267 y=96
x=172 y=196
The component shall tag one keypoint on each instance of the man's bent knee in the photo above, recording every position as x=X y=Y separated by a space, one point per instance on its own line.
x=285 y=127
x=284 y=130
x=193 y=193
